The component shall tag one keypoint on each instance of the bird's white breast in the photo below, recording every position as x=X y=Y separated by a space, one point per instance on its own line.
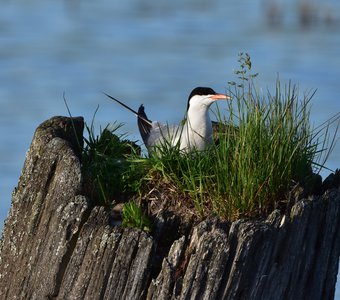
x=197 y=132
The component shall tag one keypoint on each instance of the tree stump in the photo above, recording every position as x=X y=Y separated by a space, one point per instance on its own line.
x=57 y=246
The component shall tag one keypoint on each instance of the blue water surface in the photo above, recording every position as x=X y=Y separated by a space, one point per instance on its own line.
x=152 y=52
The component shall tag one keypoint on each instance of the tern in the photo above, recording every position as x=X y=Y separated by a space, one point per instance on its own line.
x=195 y=133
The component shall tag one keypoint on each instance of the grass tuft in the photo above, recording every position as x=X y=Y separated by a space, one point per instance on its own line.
x=269 y=148
x=109 y=176
x=133 y=216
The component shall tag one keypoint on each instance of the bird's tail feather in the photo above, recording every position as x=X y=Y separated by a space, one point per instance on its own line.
x=144 y=124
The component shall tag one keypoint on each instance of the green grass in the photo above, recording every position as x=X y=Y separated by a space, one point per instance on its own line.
x=266 y=145
x=109 y=176
x=133 y=216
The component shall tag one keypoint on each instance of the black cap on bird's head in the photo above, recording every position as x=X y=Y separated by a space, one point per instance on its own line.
x=201 y=91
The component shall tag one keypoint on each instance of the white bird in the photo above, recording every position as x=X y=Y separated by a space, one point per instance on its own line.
x=195 y=133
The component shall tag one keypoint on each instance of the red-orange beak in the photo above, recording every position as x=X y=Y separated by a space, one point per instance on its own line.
x=220 y=97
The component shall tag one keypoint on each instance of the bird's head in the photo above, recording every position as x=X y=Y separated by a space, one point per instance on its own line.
x=204 y=97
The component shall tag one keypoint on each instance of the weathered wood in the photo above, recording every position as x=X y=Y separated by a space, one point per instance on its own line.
x=56 y=245
x=45 y=215
x=107 y=262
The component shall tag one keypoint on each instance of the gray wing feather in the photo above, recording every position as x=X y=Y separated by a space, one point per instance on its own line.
x=161 y=134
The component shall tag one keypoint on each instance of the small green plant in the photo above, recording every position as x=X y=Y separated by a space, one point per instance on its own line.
x=133 y=216
x=109 y=175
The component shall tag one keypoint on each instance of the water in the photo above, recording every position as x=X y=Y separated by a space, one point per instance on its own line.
x=151 y=53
